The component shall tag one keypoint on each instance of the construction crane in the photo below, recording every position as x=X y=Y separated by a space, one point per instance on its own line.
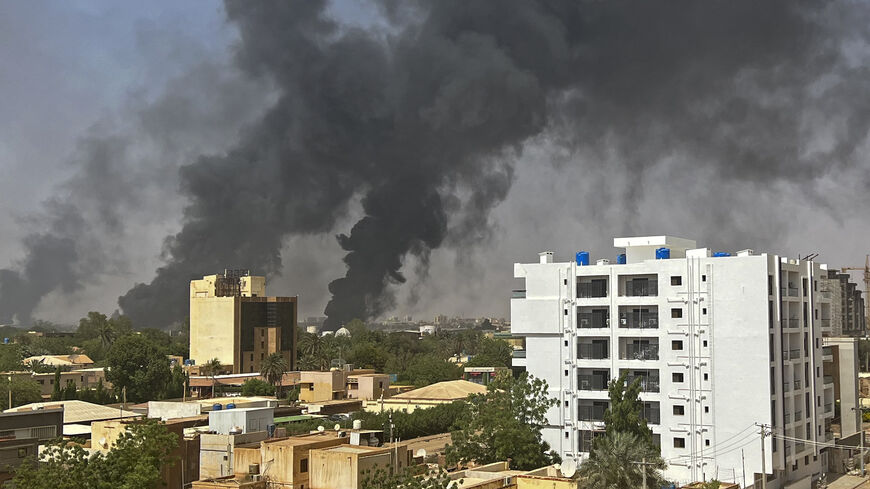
x=866 y=270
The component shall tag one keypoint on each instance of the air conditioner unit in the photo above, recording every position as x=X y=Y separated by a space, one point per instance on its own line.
x=584 y=323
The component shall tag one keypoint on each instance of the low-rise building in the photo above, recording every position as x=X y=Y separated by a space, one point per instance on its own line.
x=337 y=384
x=234 y=420
x=77 y=415
x=165 y=410
x=426 y=397
x=367 y=386
x=217 y=452
x=345 y=466
x=75 y=360
x=482 y=375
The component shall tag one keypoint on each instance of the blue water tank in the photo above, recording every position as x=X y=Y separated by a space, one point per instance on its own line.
x=5 y=341
x=720 y=254
x=620 y=259
x=663 y=254
x=582 y=258
x=216 y=407
x=231 y=406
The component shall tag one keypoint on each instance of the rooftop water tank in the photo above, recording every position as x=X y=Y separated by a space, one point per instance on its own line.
x=216 y=407
x=231 y=406
x=720 y=254
x=663 y=253
x=620 y=259
x=582 y=258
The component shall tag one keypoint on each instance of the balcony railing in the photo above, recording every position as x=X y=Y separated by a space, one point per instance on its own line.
x=786 y=387
x=826 y=294
x=587 y=382
x=591 y=413
x=639 y=320
x=651 y=414
x=826 y=351
x=797 y=384
x=518 y=294
x=641 y=288
x=791 y=323
x=792 y=291
x=829 y=407
x=593 y=351
x=786 y=418
x=798 y=447
x=640 y=352
x=798 y=415
x=647 y=383
x=593 y=320
x=590 y=290
x=796 y=353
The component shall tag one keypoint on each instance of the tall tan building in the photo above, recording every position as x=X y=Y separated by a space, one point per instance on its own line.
x=233 y=320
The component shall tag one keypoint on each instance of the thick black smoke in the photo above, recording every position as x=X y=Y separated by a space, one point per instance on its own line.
x=426 y=118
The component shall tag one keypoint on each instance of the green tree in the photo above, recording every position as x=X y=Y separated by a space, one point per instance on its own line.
x=137 y=365
x=429 y=369
x=134 y=462
x=70 y=392
x=272 y=368
x=492 y=353
x=407 y=479
x=615 y=461
x=177 y=385
x=505 y=423
x=56 y=393
x=212 y=368
x=11 y=356
x=24 y=391
x=257 y=387
x=625 y=413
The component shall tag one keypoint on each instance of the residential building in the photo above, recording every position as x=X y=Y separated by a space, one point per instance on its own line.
x=847 y=305
x=217 y=452
x=482 y=375
x=719 y=342
x=74 y=360
x=229 y=482
x=166 y=410
x=77 y=415
x=84 y=378
x=233 y=420
x=288 y=458
x=233 y=320
x=42 y=424
x=367 y=385
x=337 y=384
x=345 y=466
x=426 y=397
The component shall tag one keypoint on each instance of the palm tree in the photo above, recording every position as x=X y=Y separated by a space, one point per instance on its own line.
x=211 y=369
x=617 y=460
x=272 y=369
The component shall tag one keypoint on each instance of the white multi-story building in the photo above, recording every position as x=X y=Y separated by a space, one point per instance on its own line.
x=722 y=343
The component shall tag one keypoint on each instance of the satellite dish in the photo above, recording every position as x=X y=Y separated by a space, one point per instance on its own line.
x=421 y=453
x=569 y=468
x=337 y=427
x=321 y=428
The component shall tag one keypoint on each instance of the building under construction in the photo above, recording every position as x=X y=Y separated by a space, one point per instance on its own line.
x=233 y=320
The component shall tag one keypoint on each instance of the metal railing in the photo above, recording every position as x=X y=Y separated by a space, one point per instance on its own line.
x=792 y=291
x=591 y=413
x=641 y=288
x=591 y=290
x=639 y=320
x=593 y=319
x=798 y=415
x=652 y=414
x=797 y=384
x=647 y=384
x=790 y=323
x=796 y=353
x=640 y=352
x=591 y=382
x=589 y=351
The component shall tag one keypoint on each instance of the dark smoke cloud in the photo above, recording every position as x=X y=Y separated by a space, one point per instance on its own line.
x=426 y=120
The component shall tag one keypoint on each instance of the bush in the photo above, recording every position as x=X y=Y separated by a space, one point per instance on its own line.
x=257 y=387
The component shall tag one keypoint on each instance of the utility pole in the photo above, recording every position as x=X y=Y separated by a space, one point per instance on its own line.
x=861 y=433
x=743 y=465
x=763 y=462
x=643 y=465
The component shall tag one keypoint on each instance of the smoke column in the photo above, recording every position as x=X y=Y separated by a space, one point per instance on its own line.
x=425 y=119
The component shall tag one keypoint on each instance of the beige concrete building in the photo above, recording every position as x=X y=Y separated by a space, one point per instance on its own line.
x=233 y=320
x=338 y=384
x=426 y=397
x=85 y=378
x=344 y=466
x=368 y=386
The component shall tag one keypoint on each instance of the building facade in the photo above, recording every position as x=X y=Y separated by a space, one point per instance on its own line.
x=847 y=305
x=721 y=344
x=233 y=320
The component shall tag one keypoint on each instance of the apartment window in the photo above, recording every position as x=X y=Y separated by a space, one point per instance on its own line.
x=805 y=287
x=303 y=465
x=262 y=332
x=770 y=285
x=676 y=313
x=262 y=356
x=706 y=409
x=566 y=342
x=252 y=357
x=705 y=343
x=566 y=403
x=676 y=345
x=679 y=410
x=703 y=278
x=806 y=459
x=566 y=312
x=566 y=435
x=262 y=344
x=677 y=377
x=707 y=442
x=817 y=314
x=565 y=282
x=566 y=373
x=706 y=376
x=704 y=311
x=676 y=280
x=679 y=442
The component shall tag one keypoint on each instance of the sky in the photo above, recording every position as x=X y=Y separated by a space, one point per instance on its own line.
x=113 y=116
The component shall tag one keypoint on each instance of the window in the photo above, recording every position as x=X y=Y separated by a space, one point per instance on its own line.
x=566 y=435
x=703 y=278
x=677 y=377
x=706 y=376
x=252 y=357
x=704 y=311
x=303 y=465
x=707 y=442
x=566 y=403
x=676 y=312
x=566 y=373
x=770 y=285
x=676 y=280
x=676 y=345
x=679 y=442
x=705 y=343
x=566 y=312
x=565 y=282
x=706 y=409
x=262 y=332
x=566 y=342
x=679 y=410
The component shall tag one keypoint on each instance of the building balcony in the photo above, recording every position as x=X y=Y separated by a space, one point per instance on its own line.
x=797 y=384
x=790 y=323
x=592 y=411
x=592 y=288
x=593 y=351
x=786 y=387
x=592 y=382
x=639 y=352
x=795 y=354
x=592 y=319
x=518 y=294
x=639 y=320
x=798 y=415
x=641 y=287
x=651 y=412
x=829 y=407
x=828 y=379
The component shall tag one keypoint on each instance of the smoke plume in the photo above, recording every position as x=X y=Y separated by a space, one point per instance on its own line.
x=424 y=119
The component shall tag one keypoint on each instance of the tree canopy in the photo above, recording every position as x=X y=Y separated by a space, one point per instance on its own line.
x=505 y=423
x=625 y=413
x=618 y=460
x=137 y=365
